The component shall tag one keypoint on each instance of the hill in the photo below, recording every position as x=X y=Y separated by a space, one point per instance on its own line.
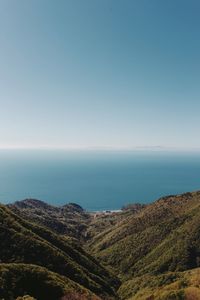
x=23 y=242
x=69 y=219
x=164 y=236
x=101 y=221
x=18 y=279
x=154 y=249
x=168 y=286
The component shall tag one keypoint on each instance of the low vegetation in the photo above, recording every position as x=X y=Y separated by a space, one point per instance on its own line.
x=19 y=279
x=28 y=243
x=152 y=251
x=70 y=219
x=172 y=285
x=164 y=236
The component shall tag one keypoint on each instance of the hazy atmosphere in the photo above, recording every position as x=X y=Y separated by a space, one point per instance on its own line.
x=99 y=150
x=105 y=74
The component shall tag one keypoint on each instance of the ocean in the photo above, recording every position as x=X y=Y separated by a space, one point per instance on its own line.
x=97 y=180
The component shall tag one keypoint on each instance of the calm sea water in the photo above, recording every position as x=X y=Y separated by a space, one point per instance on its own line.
x=96 y=180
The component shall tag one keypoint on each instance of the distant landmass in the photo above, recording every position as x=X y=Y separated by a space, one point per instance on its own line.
x=142 y=252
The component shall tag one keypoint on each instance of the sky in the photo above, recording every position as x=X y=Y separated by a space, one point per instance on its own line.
x=99 y=73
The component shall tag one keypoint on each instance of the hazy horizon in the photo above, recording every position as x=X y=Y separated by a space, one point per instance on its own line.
x=104 y=149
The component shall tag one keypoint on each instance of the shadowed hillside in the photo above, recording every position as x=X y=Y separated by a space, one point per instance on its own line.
x=69 y=219
x=25 y=242
x=17 y=279
x=154 y=249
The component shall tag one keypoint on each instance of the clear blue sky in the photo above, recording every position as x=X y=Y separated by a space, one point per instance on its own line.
x=99 y=73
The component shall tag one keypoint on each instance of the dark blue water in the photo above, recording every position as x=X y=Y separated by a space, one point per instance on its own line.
x=96 y=180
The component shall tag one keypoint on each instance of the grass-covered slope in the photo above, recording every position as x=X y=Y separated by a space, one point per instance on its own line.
x=168 y=286
x=25 y=242
x=99 y=222
x=162 y=237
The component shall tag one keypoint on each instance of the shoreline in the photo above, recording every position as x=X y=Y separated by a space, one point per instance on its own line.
x=107 y=211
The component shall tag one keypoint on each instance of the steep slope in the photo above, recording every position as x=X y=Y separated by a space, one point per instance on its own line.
x=19 y=279
x=154 y=249
x=25 y=242
x=99 y=222
x=164 y=236
x=168 y=286
x=69 y=219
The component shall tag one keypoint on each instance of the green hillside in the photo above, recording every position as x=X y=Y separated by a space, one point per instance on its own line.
x=18 y=279
x=168 y=286
x=154 y=250
x=164 y=236
x=25 y=242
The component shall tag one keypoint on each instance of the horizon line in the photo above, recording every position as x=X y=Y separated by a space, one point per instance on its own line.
x=102 y=148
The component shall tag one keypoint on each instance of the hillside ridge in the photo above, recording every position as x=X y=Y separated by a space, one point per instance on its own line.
x=152 y=249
